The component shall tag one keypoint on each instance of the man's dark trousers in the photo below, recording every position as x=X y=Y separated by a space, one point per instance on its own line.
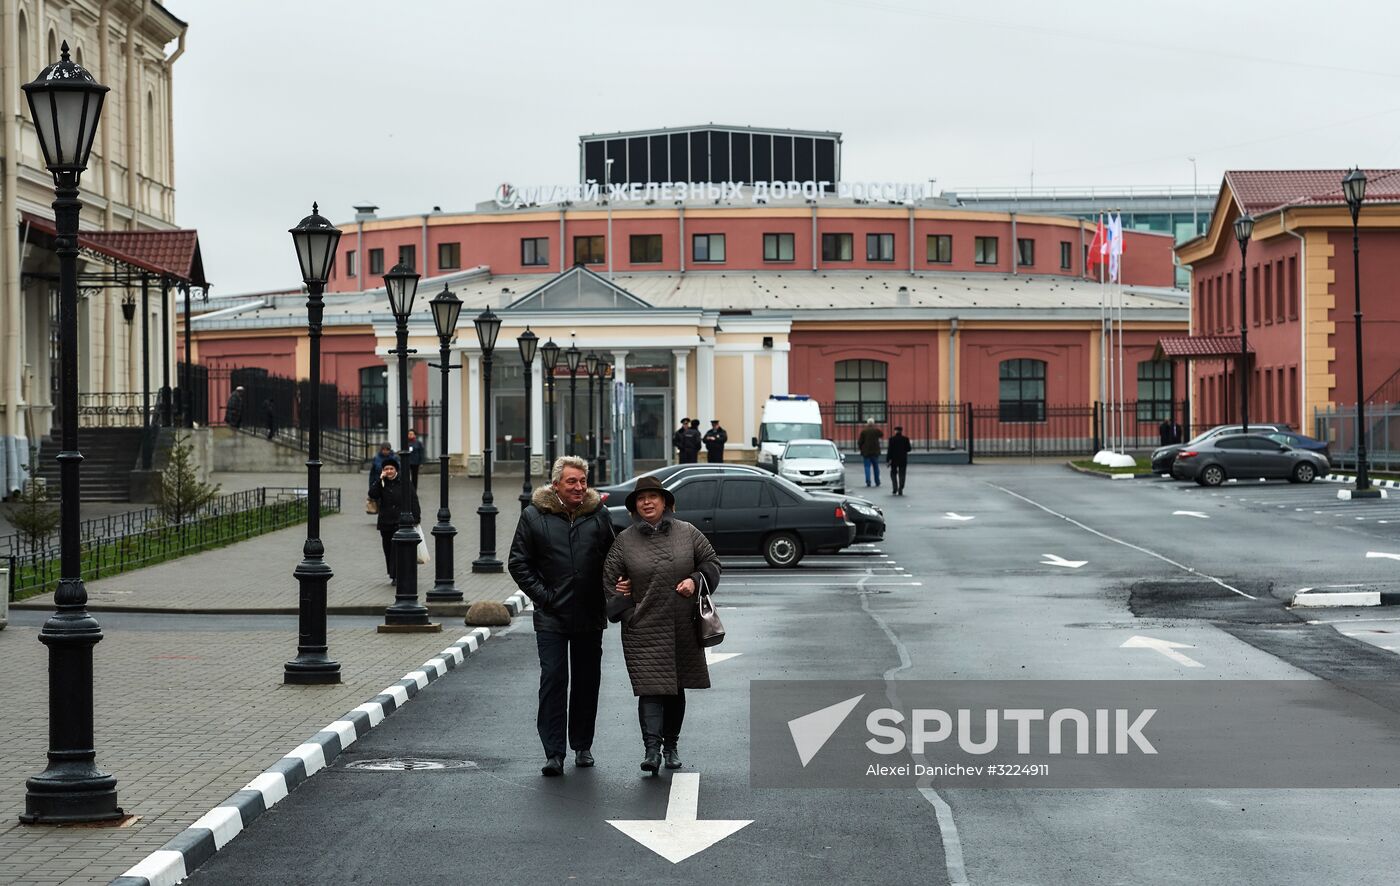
x=568 y=707
x=897 y=471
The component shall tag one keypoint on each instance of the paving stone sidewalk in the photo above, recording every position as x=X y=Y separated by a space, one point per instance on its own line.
x=191 y=709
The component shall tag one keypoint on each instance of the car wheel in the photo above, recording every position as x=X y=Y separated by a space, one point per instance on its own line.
x=1212 y=475
x=782 y=549
x=1304 y=473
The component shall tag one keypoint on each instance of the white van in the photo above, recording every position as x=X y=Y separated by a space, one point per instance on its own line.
x=786 y=417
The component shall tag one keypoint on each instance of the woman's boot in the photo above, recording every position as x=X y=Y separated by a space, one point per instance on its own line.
x=651 y=712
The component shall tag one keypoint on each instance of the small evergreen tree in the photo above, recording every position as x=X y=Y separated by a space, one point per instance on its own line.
x=181 y=493
x=33 y=515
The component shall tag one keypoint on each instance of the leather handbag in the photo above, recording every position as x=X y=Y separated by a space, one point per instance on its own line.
x=709 y=630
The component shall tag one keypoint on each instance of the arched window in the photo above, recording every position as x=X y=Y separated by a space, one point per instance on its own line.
x=1154 y=390
x=149 y=149
x=861 y=390
x=78 y=56
x=53 y=49
x=25 y=75
x=1022 y=394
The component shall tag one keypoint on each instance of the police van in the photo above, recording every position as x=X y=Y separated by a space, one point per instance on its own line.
x=785 y=417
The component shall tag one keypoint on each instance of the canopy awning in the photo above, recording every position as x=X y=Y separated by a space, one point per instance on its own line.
x=1198 y=347
x=169 y=254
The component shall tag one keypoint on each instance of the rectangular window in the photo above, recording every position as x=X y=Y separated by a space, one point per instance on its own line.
x=861 y=390
x=1229 y=301
x=449 y=256
x=778 y=247
x=1206 y=302
x=1269 y=293
x=1022 y=390
x=352 y=264
x=879 y=247
x=588 y=251
x=1025 y=252
x=534 y=251
x=837 y=247
x=1279 y=294
x=984 y=250
x=940 y=248
x=1154 y=390
x=707 y=248
x=1292 y=288
x=645 y=248
x=408 y=256
x=1254 y=289
x=376 y=261
x=1066 y=255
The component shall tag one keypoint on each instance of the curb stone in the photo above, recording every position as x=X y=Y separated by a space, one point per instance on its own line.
x=195 y=845
x=1351 y=478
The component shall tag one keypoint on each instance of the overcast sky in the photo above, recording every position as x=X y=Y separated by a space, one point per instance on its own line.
x=416 y=103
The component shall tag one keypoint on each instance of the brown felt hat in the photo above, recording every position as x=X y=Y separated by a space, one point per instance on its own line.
x=649 y=484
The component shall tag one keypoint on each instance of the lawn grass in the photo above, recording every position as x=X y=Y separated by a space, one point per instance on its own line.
x=1143 y=466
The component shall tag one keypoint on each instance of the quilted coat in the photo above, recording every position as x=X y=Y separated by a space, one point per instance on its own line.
x=658 y=631
x=557 y=560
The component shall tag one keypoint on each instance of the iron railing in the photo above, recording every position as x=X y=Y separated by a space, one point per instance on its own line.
x=1338 y=427
x=122 y=410
x=930 y=427
x=121 y=542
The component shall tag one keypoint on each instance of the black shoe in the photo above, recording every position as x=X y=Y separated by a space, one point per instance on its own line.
x=553 y=767
x=672 y=757
x=652 y=762
x=583 y=759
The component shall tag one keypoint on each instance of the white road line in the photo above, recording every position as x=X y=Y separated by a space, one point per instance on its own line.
x=1126 y=544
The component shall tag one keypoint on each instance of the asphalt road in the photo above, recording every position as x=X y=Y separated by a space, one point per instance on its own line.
x=995 y=596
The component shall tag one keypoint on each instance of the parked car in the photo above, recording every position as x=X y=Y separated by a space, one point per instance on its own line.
x=756 y=514
x=1247 y=457
x=1300 y=441
x=868 y=517
x=1163 y=457
x=817 y=464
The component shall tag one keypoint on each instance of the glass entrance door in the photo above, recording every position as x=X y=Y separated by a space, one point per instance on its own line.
x=652 y=426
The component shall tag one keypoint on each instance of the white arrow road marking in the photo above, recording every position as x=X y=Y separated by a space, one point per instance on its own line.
x=1193 y=514
x=952 y=516
x=1373 y=555
x=1056 y=560
x=717 y=657
x=1166 y=647
x=682 y=834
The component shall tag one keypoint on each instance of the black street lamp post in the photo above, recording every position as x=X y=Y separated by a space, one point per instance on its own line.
x=528 y=342
x=447 y=308
x=488 y=326
x=549 y=355
x=1354 y=187
x=590 y=439
x=571 y=359
x=405 y=612
x=315 y=239
x=1244 y=229
x=66 y=104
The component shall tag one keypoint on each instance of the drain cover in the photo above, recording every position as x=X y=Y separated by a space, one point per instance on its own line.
x=409 y=764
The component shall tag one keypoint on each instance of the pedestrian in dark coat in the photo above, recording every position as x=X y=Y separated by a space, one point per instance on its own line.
x=654 y=572
x=869 y=443
x=385 y=453
x=556 y=558
x=416 y=453
x=389 y=493
x=233 y=410
x=689 y=443
x=714 y=440
x=676 y=440
x=897 y=456
x=1169 y=432
x=270 y=417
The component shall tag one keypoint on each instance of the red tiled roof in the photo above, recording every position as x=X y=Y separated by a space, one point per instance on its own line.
x=1199 y=346
x=172 y=254
x=1260 y=191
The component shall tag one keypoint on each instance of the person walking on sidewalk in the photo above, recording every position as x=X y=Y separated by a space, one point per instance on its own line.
x=270 y=416
x=715 y=438
x=654 y=572
x=556 y=558
x=388 y=492
x=233 y=410
x=897 y=454
x=416 y=452
x=383 y=456
x=869 y=444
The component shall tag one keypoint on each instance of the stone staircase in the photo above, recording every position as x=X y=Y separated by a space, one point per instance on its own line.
x=109 y=456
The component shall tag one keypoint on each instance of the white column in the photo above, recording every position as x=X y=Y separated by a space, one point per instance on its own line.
x=473 y=380
x=538 y=432
x=705 y=382
x=682 y=385
x=392 y=399
x=780 y=369
x=750 y=426
x=620 y=366
x=453 y=397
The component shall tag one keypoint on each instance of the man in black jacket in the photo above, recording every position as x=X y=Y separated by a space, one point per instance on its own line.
x=557 y=560
x=715 y=438
x=689 y=444
x=897 y=452
x=416 y=453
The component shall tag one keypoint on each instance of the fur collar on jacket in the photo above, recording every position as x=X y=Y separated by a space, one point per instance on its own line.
x=547 y=501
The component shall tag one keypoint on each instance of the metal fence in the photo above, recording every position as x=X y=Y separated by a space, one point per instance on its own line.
x=930 y=427
x=126 y=541
x=1338 y=426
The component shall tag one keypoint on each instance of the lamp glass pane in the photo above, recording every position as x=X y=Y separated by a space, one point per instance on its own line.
x=571 y=358
x=550 y=354
x=488 y=326
x=591 y=362
x=446 y=312
x=42 y=110
x=321 y=253
x=71 y=107
x=528 y=342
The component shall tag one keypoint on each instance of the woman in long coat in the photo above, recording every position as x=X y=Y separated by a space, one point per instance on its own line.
x=653 y=573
